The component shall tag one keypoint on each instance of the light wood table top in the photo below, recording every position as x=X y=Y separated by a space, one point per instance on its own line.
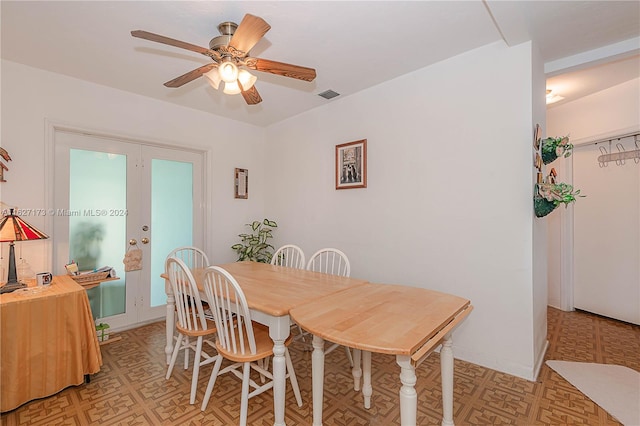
x=275 y=290
x=382 y=318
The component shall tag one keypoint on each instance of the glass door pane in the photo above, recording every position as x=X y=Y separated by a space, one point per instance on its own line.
x=171 y=217
x=97 y=232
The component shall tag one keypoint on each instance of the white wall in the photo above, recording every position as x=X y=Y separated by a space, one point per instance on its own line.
x=449 y=198
x=31 y=96
x=603 y=114
x=448 y=205
x=539 y=289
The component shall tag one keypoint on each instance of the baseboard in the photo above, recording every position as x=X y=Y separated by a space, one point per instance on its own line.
x=540 y=361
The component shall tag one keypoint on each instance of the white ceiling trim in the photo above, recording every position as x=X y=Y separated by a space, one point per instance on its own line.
x=593 y=57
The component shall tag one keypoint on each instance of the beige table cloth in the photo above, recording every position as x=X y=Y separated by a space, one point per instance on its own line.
x=48 y=341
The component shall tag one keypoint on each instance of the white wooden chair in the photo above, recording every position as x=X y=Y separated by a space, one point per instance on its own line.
x=335 y=262
x=330 y=261
x=240 y=340
x=292 y=256
x=289 y=255
x=194 y=329
x=193 y=257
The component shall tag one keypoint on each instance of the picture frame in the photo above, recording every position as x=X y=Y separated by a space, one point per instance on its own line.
x=351 y=165
x=241 y=183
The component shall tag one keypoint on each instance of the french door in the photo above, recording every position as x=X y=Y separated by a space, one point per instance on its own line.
x=114 y=196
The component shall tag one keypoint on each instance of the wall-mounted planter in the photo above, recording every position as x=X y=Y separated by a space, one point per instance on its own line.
x=552 y=148
x=548 y=196
x=542 y=206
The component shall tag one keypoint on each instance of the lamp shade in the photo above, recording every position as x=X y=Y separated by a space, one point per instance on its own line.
x=246 y=79
x=213 y=76
x=13 y=228
x=231 y=88
x=228 y=71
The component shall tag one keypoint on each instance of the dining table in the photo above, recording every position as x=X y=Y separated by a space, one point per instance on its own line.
x=408 y=322
x=271 y=291
x=48 y=341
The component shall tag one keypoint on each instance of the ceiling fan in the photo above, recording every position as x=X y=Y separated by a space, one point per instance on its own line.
x=229 y=52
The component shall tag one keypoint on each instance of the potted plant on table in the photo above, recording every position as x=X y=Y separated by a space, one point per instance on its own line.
x=550 y=195
x=552 y=148
x=254 y=246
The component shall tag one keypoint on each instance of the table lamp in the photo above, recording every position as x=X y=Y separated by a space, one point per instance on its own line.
x=13 y=228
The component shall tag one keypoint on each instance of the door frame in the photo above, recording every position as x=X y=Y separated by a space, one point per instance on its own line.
x=54 y=126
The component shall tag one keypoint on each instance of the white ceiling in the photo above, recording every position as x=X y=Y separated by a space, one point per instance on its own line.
x=352 y=45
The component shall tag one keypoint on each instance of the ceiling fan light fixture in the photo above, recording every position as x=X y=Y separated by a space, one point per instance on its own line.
x=213 y=76
x=228 y=71
x=231 y=88
x=229 y=52
x=246 y=79
x=552 y=98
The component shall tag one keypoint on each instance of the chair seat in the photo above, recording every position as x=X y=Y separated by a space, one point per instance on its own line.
x=211 y=329
x=264 y=345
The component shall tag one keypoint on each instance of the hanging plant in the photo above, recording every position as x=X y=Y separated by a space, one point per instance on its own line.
x=552 y=148
x=550 y=195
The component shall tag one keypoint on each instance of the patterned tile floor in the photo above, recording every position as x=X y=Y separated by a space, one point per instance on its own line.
x=131 y=389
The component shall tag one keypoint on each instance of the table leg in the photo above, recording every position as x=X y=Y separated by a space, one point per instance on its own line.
x=367 y=390
x=170 y=324
x=446 y=371
x=356 y=371
x=317 y=376
x=408 y=395
x=279 y=329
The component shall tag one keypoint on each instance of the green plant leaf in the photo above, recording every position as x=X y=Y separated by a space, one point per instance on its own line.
x=254 y=246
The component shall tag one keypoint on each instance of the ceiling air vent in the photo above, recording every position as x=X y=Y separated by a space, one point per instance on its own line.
x=328 y=94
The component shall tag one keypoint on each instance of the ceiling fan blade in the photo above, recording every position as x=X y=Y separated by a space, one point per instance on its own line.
x=176 y=43
x=190 y=76
x=249 y=32
x=251 y=96
x=280 y=68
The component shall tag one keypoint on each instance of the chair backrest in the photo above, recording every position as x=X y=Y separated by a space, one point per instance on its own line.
x=188 y=303
x=193 y=257
x=330 y=261
x=230 y=310
x=289 y=255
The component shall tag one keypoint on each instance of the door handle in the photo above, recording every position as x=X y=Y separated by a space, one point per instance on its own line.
x=145 y=240
x=133 y=242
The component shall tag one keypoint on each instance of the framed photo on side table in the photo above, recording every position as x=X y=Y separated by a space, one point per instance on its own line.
x=351 y=165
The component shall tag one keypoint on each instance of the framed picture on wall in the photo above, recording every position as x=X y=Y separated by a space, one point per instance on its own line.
x=351 y=165
x=241 y=183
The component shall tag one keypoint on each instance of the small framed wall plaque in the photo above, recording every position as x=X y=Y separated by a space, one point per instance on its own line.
x=241 y=183
x=351 y=165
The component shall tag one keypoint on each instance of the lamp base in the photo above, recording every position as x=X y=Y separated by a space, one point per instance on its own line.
x=9 y=287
